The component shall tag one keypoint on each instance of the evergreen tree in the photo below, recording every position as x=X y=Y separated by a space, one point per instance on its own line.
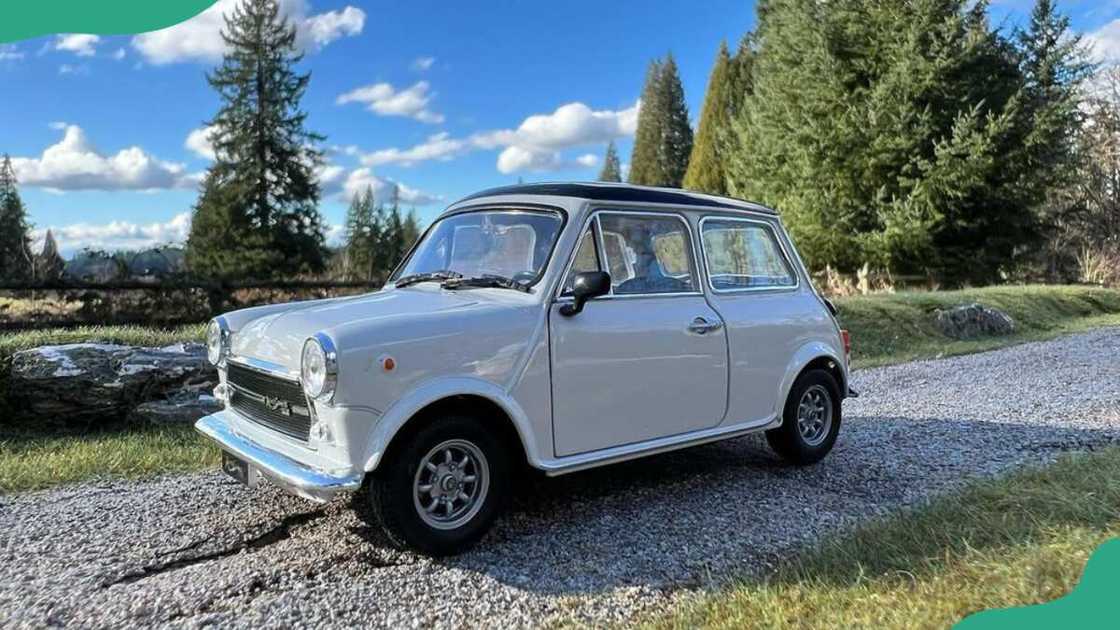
x=394 y=244
x=647 y=137
x=49 y=263
x=15 y=234
x=261 y=187
x=887 y=133
x=705 y=165
x=1055 y=69
x=663 y=140
x=363 y=236
x=412 y=230
x=612 y=170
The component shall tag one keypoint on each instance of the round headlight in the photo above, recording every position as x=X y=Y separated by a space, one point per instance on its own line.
x=318 y=370
x=215 y=342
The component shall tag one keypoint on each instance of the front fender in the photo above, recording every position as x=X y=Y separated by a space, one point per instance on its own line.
x=805 y=355
x=404 y=409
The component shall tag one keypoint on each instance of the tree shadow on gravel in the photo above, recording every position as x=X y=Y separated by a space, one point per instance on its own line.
x=698 y=515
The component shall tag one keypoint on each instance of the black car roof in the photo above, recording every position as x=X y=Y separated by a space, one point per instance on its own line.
x=627 y=193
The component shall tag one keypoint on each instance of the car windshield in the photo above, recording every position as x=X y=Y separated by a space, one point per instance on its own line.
x=512 y=244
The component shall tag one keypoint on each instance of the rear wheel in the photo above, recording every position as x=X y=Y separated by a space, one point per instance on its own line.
x=440 y=490
x=810 y=421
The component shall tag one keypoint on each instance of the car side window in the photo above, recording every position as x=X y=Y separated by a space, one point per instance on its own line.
x=587 y=259
x=647 y=254
x=744 y=255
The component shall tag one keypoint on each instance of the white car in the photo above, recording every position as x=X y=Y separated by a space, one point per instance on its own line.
x=555 y=326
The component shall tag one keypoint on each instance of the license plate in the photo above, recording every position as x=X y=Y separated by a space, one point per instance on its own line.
x=239 y=469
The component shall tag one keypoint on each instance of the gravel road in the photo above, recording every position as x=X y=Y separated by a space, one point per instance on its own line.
x=591 y=547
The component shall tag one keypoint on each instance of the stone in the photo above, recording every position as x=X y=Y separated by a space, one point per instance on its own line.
x=181 y=407
x=88 y=382
x=971 y=321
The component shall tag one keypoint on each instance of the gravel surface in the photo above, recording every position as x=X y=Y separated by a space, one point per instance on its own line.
x=591 y=547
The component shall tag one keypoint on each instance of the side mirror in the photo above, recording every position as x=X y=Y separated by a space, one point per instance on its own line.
x=586 y=285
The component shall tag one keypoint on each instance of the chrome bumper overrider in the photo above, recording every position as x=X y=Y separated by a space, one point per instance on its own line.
x=285 y=472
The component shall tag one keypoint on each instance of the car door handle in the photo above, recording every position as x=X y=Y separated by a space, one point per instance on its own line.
x=702 y=326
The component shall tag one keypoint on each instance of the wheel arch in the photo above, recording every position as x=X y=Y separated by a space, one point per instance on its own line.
x=814 y=355
x=479 y=398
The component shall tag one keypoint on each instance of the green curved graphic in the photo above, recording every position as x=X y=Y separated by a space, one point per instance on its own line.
x=20 y=19
x=1092 y=604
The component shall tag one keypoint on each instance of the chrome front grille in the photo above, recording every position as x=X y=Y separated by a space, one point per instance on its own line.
x=271 y=401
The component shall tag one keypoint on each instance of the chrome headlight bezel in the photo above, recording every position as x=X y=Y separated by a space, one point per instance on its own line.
x=318 y=368
x=217 y=341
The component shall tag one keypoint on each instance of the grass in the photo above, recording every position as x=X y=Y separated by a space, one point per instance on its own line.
x=33 y=458
x=29 y=461
x=1020 y=540
x=894 y=328
x=885 y=329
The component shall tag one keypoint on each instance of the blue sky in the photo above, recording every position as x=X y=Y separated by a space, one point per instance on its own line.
x=443 y=98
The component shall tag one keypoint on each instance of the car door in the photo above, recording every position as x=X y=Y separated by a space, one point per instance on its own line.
x=649 y=359
x=767 y=316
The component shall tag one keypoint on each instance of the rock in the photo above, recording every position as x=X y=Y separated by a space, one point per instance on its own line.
x=86 y=382
x=969 y=321
x=182 y=407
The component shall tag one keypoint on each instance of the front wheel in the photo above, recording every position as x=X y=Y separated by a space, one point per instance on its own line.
x=442 y=489
x=810 y=421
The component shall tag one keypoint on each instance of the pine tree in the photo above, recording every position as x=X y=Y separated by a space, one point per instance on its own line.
x=15 y=234
x=412 y=230
x=393 y=241
x=612 y=170
x=886 y=133
x=663 y=140
x=644 y=164
x=262 y=184
x=705 y=165
x=1055 y=69
x=363 y=236
x=49 y=263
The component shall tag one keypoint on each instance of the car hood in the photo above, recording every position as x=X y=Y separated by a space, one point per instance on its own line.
x=277 y=336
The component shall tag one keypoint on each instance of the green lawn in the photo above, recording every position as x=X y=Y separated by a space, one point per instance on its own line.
x=29 y=461
x=1019 y=540
x=894 y=328
x=887 y=328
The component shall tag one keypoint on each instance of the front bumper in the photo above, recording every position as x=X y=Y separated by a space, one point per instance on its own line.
x=292 y=476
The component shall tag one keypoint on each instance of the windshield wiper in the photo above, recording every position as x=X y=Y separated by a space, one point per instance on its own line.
x=443 y=274
x=485 y=282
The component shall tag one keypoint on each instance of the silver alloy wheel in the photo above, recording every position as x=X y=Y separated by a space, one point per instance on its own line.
x=814 y=415
x=451 y=484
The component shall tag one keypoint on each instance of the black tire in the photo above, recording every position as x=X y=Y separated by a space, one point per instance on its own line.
x=788 y=440
x=389 y=492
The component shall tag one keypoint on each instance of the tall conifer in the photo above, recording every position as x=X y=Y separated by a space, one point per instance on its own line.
x=612 y=170
x=262 y=186
x=15 y=234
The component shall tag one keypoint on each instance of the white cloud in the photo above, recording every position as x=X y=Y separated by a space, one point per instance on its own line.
x=358 y=179
x=385 y=100
x=536 y=144
x=79 y=44
x=67 y=68
x=588 y=160
x=75 y=164
x=10 y=52
x=198 y=142
x=317 y=31
x=116 y=234
x=199 y=38
x=1104 y=43
x=119 y=54
x=440 y=146
x=421 y=64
